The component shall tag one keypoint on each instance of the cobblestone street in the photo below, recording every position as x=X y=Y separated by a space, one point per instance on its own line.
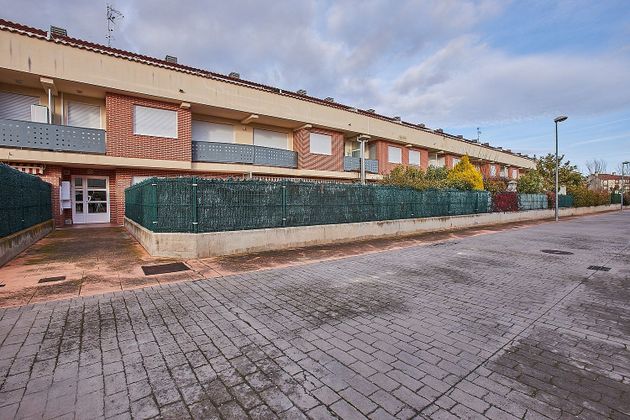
x=483 y=326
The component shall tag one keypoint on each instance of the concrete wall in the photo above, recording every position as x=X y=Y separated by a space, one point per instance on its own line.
x=200 y=245
x=12 y=245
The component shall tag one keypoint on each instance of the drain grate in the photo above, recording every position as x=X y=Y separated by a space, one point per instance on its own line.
x=556 y=252
x=151 y=270
x=51 y=279
x=598 y=268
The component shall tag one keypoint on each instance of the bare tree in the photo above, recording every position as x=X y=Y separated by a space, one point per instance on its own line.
x=596 y=166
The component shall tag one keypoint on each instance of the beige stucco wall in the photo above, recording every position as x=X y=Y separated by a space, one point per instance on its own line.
x=201 y=245
x=55 y=60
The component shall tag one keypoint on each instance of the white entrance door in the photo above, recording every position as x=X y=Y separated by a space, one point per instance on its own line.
x=90 y=199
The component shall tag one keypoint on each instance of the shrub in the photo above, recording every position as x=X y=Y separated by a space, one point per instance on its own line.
x=505 y=201
x=495 y=185
x=409 y=176
x=464 y=176
x=583 y=197
x=530 y=183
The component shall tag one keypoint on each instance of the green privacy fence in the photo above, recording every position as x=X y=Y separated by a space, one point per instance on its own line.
x=212 y=205
x=532 y=201
x=25 y=200
x=565 y=200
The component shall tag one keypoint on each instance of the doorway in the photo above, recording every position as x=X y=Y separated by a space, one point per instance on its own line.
x=90 y=199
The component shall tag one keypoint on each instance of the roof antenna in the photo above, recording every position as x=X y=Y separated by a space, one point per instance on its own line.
x=112 y=16
x=478 y=134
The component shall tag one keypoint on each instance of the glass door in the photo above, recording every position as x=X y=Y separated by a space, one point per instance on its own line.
x=91 y=199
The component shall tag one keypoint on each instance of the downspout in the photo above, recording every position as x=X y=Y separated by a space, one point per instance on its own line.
x=50 y=105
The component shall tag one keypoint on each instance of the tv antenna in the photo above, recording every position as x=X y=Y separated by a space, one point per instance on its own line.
x=113 y=16
x=478 y=134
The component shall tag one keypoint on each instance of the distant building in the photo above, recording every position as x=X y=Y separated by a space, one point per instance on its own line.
x=608 y=182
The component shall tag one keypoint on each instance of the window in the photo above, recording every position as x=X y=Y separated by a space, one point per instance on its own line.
x=394 y=154
x=273 y=139
x=414 y=157
x=455 y=161
x=320 y=144
x=211 y=132
x=504 y=171
x=154 y=122
x=493 y=170
x=138 y=179
x=514 y=173
x=16 y=107
x=84 y=115
x=436 y=160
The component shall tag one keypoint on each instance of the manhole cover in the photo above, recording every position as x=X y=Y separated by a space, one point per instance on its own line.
x=150 y=270
x=598 y=268
x=51 y=279
x=556 y=252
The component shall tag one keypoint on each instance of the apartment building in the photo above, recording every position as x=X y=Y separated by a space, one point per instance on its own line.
x=609 y=182
x=93 y=120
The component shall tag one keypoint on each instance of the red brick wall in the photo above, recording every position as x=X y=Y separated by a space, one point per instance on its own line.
x=122 y=142
x=384 y=167
x=307 y=160
x=52 y=175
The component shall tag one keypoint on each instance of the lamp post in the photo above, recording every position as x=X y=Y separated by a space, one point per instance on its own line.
x=623 y=167
x=557 y=120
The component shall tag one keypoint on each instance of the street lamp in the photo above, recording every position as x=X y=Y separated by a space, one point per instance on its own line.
x=557 y=120
x=623 y=167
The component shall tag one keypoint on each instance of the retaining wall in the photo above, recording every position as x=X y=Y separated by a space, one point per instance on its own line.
x=201 y=245
x=12 y=245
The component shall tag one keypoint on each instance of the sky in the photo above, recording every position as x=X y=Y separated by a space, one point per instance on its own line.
x=502 y=68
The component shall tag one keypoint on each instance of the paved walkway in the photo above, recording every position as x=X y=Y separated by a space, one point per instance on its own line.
x=95 y=260
x=483 y=326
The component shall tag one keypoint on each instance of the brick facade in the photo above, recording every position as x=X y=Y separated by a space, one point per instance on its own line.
x=52 y=175
x=385 y=167
x=308 y=160
x=121 y=141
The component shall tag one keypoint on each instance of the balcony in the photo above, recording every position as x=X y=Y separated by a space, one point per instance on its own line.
x=351 y=163
x=58 y=138
x=242 y=153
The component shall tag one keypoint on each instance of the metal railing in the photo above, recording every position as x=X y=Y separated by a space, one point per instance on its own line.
x=243 y=153
x=59 y=138
x=351 y=163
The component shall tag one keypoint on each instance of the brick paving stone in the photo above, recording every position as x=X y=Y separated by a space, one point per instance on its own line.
x=482 y=326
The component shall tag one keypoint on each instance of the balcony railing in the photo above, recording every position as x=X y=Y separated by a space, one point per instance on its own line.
x=351 y=163
x=59 y=138
x=242 y=153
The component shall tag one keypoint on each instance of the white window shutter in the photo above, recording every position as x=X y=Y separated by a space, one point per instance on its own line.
x=154 y=122
x=212 y=132
x=16 y=107
x=320 y=144
x=267 y=138
x=84 y=115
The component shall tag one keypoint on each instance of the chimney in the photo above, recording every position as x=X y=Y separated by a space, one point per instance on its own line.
x=438 y=130
x=301 y=92
x=371 y=111
x=421 y=125
x=330 y=99
x=170 y=59
x=397 y=119
x=234 y=75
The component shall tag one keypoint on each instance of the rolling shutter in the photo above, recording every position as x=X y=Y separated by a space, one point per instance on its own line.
x=273 y=139
x=84 y=115
x=211 y=132
x=16 y=107
x=154 y=122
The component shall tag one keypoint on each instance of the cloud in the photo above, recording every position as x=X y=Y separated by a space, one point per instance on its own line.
x=424 y=60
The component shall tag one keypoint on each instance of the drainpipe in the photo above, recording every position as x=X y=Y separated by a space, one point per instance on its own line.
x=362 y=139
x=50 y=116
